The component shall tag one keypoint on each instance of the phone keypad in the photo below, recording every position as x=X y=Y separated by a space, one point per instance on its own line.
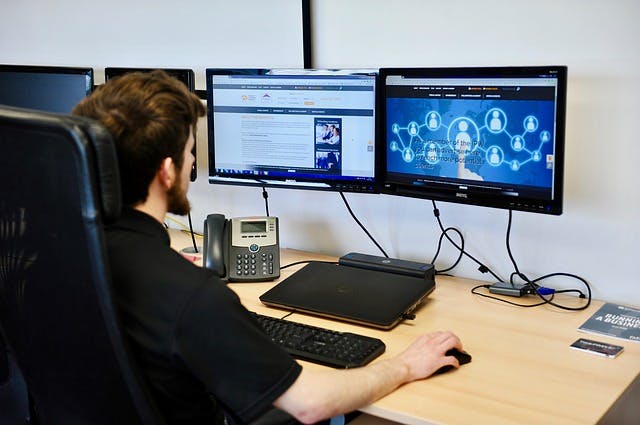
x=267 y=263
x=255 y=264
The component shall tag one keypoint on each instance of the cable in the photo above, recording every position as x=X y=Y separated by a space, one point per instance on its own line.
x=186 y=229
x=288 y=314
x=265 y=195
x=193 y=238
x=442 y=234
x=513 y=261
x=475 y=292
x=361 y=226
x=307 y=261
x=531 y=286
x=483 y=268
x=580 y=293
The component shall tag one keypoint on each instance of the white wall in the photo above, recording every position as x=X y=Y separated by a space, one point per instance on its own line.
x=595 y=237
x=149 y=33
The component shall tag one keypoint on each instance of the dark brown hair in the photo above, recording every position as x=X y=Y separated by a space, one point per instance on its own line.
x=149 y=116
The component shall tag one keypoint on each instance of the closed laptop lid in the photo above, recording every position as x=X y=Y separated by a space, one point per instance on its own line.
x=368 y=297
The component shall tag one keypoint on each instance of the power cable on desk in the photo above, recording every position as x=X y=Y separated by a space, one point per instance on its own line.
x=362 y=226
x=474 y=291
x=305 y=262
x=288 y=314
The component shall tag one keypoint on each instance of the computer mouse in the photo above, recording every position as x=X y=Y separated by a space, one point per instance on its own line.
x=462 y=356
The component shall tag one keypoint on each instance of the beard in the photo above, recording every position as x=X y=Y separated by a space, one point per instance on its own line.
x=177 y=202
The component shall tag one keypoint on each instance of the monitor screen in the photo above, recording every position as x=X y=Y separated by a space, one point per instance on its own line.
x=309 y=129
x=185 y=75
x=46 y=88
x=484 y=136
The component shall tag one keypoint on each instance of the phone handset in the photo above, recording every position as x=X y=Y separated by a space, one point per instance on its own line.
x=214 y=255
x=243 y=249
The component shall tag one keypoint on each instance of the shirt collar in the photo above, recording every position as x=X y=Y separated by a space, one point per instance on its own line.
x=139 y=222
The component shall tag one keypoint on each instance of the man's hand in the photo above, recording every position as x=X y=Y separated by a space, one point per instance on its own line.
x=427 y=354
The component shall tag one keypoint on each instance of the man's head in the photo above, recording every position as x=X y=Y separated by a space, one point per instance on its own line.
x=151 y=117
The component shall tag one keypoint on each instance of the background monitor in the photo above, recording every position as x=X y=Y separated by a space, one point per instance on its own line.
x=309 y=129
x=46 y=88
x=483 y=136
x=187 y=76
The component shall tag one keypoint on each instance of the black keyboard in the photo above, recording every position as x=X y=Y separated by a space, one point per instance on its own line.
x=319 y=345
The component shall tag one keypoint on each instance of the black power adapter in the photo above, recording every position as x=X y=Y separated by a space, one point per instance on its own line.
x=507 y=288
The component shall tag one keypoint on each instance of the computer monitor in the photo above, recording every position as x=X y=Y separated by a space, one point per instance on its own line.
x=483 y=136
x=187 y=76
x=296 y=128
x=46 y=88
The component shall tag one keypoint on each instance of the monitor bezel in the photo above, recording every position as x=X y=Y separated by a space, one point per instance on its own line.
x=46 y=69
x=185 y=75
x=392 y=184
x=324 y=183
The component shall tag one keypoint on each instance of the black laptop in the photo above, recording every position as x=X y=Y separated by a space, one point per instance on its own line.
x=367 y=297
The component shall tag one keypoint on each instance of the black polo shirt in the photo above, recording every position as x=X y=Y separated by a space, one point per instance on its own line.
x=197 y=345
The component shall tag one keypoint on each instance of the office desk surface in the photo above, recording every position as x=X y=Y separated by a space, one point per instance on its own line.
x=523 y=371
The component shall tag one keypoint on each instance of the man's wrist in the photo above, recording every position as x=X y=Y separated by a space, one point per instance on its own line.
x=401 y=370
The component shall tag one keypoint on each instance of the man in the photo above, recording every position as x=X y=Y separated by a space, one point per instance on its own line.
x=201 y=351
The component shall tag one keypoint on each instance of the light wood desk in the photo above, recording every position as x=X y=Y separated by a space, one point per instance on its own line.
x=523 y=371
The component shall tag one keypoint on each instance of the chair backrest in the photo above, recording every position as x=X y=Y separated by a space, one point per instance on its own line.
x=59 y=185
x=4 y=362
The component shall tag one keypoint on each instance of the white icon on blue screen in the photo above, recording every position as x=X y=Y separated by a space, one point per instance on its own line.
x=531 y=123
x=494 y=156
x=495 y=120
x=433 y=120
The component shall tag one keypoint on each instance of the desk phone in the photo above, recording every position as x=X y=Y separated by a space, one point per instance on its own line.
x=242 y=249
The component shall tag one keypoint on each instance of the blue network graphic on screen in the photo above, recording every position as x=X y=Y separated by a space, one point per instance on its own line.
x=501 y=141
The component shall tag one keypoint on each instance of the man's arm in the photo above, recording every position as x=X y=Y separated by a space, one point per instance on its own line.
x=321 y=394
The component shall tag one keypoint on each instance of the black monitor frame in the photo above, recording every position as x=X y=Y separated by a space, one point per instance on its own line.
x=185 y=75
x=505 y=195
x=87 y=72
x=299 y=180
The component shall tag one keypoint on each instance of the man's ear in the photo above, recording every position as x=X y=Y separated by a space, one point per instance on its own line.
x=167 y=173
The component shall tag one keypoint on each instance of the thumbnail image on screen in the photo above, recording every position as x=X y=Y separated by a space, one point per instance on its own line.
x=489 y=136
x=310 y=129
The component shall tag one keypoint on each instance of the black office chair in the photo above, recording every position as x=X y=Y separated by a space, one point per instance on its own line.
x=4 y=362
x=14 y=405
x=59 y=184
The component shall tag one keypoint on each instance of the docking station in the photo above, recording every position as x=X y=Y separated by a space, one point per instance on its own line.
x=511 y=289
x=391 y=265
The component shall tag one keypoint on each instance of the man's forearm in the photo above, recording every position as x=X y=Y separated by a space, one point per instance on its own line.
x=321 y=394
